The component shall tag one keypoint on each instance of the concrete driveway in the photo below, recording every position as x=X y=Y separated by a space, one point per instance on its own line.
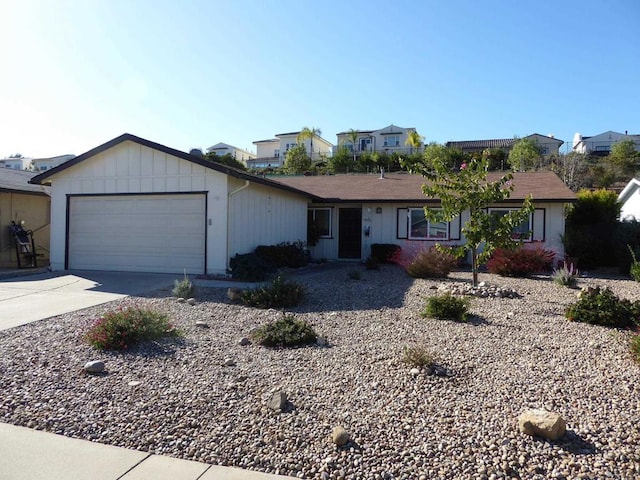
x=35 y=297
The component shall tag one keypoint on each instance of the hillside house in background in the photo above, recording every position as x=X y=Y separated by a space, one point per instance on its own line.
x=15 y=163
x=272 y=153
x=222 y=149
x=388 y=140
x=44 y=164
x=548 y=145
x=601 y=144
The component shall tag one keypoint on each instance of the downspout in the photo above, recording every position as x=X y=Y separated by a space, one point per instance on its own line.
x=231 y=194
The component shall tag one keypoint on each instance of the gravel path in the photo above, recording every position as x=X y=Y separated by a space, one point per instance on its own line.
x=516 y=354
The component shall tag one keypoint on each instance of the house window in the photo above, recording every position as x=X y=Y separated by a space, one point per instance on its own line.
x=391 y=140
x=320 y=218
x=522 y=231
x=276 y=153
x=422 y=229
x=365 y=144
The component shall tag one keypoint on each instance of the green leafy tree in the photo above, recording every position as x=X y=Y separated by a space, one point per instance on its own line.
x=297 y=161
x=341 y=162
x=226 y=159
x=414 y=140
x=308 y=134
x=496 y=157
x=624 y=156
x=469 y=190
x=525 y=155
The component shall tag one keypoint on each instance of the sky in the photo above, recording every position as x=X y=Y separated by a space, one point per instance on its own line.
x=76 y=73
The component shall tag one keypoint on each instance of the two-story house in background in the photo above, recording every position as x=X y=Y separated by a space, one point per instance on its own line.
x=271 y=153
x=601 y=144
x=388 y=139
x=241 y=155
x=548 y=145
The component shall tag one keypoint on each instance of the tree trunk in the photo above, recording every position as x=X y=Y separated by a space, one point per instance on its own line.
x=474 y=266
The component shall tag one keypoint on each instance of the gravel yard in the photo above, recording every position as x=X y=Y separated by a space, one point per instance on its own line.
x=515 y=354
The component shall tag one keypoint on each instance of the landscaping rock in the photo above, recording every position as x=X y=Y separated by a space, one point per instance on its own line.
x=340 y=436
x=180 y=300
x=541 y=423
x=202 y=324
x=234 y=294
x=244 y=341
x=278 y=401
x=95 y=366
x=191 y=301
x=415 y=372
x=321 y=342
x=229 y=362
x=134 y=383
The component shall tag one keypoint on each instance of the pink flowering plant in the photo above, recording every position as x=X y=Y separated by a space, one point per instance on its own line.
x=120 y=329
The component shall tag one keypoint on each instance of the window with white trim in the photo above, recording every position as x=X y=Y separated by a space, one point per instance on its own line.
x=391 y=140
x=522 y=231
x=320 y=218
x=422 y=229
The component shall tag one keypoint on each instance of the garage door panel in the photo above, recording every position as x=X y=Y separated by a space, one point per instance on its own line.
x=151 y=233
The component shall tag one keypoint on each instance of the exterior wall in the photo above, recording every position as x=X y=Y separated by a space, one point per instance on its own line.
x=133 y=168
x=15 y=163
x=549 y=145
x=259 y=215
x=382 y=220
x=630 y=201
x=320 y=146
x=34 y=211
x=602 y=142
x=378 y=138
x=239 y=154
x=268 y=154
x=267 y=149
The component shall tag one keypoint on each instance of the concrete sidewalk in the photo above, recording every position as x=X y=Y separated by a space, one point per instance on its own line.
x=27 y=454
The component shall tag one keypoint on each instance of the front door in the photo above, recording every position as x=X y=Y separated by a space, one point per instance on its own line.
x=349 y=233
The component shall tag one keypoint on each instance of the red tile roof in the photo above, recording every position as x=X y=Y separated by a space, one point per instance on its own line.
x=403 y=187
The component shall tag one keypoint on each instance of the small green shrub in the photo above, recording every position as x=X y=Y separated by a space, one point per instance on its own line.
x=285 y=332
x=183 y=288
x=447 y=307
x=120 y=329
x=384 y=252
x=635 y=347
x=431 y=263
x=417 y=356
x=634 y=269
x=566 y=276
x=602 y=307
x=280 y=293
x=354 y=274
x=520 y=262
x=250 y=267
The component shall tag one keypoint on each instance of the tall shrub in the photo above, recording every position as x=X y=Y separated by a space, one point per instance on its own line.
x=591 y=227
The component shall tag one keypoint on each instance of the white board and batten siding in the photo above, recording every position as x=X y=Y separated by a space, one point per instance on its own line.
x=259 y=215
x=132 y=170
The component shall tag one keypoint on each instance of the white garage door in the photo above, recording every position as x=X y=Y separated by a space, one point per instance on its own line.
x=138 y=233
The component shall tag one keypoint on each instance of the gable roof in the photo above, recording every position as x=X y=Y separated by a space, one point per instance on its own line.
x=404 y=187
x=127 y=137
x=17 y=181
x=496 y=142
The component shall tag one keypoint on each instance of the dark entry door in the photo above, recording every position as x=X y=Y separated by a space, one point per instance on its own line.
x=349 y=235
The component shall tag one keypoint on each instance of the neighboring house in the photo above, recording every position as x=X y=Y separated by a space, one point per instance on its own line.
x=548 y=145
x=43 y=164
x=222 y=149
x=601 y=144
x=267 y=154
x=388 y=139
x=135 y=205
x=355 y=211
x=22 y=202
x=629 y=200
x=15 y=163
x=273 y=152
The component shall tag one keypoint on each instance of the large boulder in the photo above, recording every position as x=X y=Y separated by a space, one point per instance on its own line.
x=541 y=423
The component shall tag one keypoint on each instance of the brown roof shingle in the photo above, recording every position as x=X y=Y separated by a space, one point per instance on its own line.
x=403 y=187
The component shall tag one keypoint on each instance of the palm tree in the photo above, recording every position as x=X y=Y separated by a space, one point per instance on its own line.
x=352 y=136
x=414 y=140
x=309 y=133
